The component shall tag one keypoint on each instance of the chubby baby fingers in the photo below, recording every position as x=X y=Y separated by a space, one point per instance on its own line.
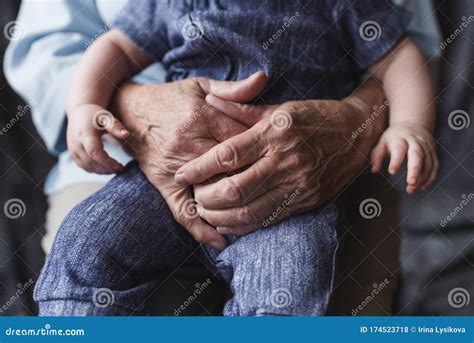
x=398 y=150
x=95 y=154
x=377 y=156
x=117 y=129
x=432 y=172
x=417 y=162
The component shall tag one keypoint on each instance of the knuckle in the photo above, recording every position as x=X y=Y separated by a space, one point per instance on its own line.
x=245 y=215
x=226 y=156
x=398 y=148
x=200 y=236
x=418 y=153
x=422 y=141
x=307 y=179
x=95 y=152
x=233 y=191
x=397 y=144
x=296 y=160
x=198 y=80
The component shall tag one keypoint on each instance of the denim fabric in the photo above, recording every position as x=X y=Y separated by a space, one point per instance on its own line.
x=120 y=244
x=124 y=240
x=309 y=49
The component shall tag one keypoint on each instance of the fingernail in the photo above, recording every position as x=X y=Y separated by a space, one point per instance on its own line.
x=180 y=178
x=223 y=230
x=199 y=210
x=124 y=132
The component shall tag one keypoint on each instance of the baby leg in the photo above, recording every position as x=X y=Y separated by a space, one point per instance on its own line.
x=112 y=251
x=286 y=269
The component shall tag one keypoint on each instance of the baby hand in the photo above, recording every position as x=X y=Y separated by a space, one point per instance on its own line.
x=413 y=141
x=86 y=126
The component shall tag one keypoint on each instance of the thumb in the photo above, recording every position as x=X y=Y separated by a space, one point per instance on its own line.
x=239 y=91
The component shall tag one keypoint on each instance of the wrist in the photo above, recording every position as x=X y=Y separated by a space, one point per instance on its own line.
x=426 y=126
x=412 y=124
x=127 y=105
x=367 y=121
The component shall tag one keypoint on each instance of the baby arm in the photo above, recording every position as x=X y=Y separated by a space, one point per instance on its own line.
x=409 y=90
x=110 y=60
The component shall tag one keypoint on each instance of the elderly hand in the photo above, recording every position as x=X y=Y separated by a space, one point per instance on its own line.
x=171 y=124
x=295 y=157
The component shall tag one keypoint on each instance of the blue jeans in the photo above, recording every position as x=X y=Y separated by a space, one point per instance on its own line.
x=115 y=248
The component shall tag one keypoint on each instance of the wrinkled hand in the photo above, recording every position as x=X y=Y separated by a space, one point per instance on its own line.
x=294 y=157
x=172 y=124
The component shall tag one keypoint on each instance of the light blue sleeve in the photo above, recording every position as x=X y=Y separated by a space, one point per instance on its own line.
x=423 y=29
x=39 y=66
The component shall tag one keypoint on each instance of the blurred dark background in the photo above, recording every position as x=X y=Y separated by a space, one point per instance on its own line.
x=24 y=164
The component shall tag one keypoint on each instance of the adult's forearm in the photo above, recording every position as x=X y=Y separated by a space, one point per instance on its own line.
x=369 y=117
